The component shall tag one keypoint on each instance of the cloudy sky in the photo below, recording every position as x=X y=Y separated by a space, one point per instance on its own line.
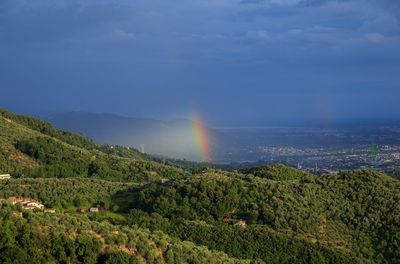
x=230 y=60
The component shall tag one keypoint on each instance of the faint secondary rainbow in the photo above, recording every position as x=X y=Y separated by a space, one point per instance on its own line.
x=201 y=138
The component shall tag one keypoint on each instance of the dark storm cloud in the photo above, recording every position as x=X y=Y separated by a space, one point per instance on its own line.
x=147 y=57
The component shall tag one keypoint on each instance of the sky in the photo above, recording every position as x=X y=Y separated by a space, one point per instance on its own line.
x=231 y=61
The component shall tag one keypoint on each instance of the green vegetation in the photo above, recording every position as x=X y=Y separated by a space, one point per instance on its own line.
x=54 y=238
x=128 y=152
x=47 y=129
x=65 y=193
x=59 y=161
x=254 y=242
x=354 y=215
x=26 y=152
x=156 y=210
x=277 y=172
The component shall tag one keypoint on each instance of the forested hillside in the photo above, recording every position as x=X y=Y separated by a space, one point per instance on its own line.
x=35 y=237
x=353 y=216
x=151 y=212
x=32 y=148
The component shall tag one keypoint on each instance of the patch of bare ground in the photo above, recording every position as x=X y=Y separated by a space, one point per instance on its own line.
x=23 y=160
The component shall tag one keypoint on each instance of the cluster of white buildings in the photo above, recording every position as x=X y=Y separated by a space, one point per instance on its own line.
x=27 y=203
x=30 y=204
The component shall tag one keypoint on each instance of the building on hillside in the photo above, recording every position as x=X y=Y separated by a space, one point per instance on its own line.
x=5 y=176
x=235 y=222
x=27 y=203
x=33 y=205
x=240 y=223
x=50 y=210
x=15 y=200
x=82 y=210
x=164 y=181
x=94 y=210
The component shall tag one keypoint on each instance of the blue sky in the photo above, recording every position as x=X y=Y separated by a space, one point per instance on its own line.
x=230 y=60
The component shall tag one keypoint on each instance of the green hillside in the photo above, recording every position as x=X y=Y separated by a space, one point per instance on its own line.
x=35 y=237
x=182 y=212
x=277 y=172
x=353 y=216
x=32 y=148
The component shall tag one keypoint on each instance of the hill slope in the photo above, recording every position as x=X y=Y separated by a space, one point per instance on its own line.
x=350 y=217
x=271 y=214
x=35 y=237
x=34 y=148
x=169 y=138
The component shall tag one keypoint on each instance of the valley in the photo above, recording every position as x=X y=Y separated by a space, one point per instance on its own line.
x=170 y=211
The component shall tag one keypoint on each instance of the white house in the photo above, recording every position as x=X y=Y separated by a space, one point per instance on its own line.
x=34 y=204
x=94 y=210
x=164 y=181
x=5 y=176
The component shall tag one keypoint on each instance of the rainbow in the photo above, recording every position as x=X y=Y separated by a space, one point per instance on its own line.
x=201 y=138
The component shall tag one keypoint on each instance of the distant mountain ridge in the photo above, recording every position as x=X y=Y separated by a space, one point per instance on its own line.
x=173 y=138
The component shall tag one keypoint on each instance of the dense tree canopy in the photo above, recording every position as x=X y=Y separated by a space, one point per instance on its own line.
x=40 y=238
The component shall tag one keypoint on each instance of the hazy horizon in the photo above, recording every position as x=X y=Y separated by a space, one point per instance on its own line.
x=227 y=123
